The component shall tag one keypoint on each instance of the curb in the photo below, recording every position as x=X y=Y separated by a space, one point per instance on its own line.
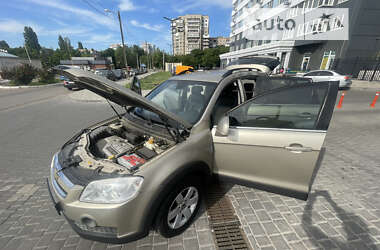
x=26 y=87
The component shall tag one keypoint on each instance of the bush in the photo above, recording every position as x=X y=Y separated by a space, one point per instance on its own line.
x=46 y=76
x=20 y=75
x=7 y=73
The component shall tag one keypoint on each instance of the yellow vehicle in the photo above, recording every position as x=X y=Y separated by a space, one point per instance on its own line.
x=182 y=69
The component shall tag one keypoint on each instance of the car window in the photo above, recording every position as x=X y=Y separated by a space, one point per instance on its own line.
x=265 y=84
x=186 y=99
x=227 y=100
x=315 y=73
x=249 y=87
x=291 y=108
x=325 y=73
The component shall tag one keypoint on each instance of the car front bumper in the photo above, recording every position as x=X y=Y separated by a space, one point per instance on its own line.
x=105 y=223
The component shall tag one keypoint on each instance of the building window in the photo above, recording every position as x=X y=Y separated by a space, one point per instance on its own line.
x=328 y=60
x=305 y=63
x=341 y=1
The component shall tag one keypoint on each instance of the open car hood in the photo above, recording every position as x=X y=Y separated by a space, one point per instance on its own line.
x=116 y=93
x=262 y=63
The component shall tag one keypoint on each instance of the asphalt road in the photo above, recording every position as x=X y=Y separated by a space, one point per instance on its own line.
x=34 y=123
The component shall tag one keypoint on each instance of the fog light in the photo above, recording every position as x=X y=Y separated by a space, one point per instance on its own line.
x=88 y=222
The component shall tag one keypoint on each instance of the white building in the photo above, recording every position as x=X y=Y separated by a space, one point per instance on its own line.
x=190 y=32
x=298 y=54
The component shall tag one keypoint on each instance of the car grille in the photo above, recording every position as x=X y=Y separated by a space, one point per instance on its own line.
x=56 y=172
x=97 y=229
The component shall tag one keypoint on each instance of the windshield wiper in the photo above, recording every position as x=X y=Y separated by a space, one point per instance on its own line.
x=177 y=137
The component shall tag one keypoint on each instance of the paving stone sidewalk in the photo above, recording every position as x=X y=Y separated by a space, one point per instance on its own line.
x=342 y=212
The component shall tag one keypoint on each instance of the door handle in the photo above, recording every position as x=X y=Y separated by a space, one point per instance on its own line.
x=298 y=149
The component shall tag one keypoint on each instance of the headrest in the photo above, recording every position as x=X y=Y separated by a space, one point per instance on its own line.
x=196 y=90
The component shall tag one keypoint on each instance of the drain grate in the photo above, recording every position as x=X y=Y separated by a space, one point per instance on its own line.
x=225 y=225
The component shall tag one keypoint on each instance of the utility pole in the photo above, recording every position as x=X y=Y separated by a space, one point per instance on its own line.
x=122 y=35
x=27 y=53
x=163 y=61
x=137 y=61
x=122 y=40
x=172 y=20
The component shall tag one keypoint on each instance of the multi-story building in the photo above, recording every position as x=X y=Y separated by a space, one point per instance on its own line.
x=148 y=47
x=115 y=46
x=190 y=32
x=219 y=41
x=301 y=55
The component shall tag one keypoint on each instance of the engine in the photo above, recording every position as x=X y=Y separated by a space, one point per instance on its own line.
x=128 y=149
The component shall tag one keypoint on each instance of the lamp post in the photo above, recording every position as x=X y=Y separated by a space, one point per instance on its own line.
x=172 y=20
x=122 y=35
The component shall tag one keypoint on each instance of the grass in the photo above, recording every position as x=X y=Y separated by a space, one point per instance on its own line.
x=153 y=80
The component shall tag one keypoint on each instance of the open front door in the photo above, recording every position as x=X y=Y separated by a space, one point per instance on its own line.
x=274 y=140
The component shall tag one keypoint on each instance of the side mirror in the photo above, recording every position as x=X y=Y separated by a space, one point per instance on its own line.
x=223 y=126
x=136 y=85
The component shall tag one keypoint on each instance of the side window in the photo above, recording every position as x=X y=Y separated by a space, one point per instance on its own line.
x=313 y=74
x=325 y=73
x=249 y=87
x=227 y=100
x=292 y=108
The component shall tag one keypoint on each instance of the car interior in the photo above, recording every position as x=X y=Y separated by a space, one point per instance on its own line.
x=227 y=100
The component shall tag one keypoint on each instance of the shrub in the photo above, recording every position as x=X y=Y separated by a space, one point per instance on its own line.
x=8 y=73
x=46 y=76
x=20 y=75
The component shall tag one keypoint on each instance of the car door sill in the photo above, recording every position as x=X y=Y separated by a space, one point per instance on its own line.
x=277 y=190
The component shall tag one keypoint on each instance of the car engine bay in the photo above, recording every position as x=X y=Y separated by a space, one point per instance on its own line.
x=114 y=148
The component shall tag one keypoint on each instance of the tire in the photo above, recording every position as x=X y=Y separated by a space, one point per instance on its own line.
x=69 y=88
x=182 y=215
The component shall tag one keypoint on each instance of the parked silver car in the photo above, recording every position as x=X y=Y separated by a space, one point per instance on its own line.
x=329 y=75
x=144 y=168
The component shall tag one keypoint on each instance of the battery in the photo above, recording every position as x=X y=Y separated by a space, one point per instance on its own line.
x=131 y=162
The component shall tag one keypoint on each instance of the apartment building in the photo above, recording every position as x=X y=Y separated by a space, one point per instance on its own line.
x=190 y=32
x=219 y=41
x=148 y=47
x=308 y=54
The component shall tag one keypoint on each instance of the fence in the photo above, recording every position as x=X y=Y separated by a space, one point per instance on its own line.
x=360 y=68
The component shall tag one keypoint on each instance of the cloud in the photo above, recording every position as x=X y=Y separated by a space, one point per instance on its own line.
x=147 y=26
x=126 y=5
x=83 y=13
x=101 y=38
x=15 y=26
x=193 y=4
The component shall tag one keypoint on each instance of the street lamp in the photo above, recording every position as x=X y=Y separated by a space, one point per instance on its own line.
x=172 y=20
x=121 y=33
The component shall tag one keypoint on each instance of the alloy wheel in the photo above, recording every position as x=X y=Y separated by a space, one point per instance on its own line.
x=183 y=207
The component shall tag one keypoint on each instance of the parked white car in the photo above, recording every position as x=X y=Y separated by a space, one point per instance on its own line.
x=329 y=75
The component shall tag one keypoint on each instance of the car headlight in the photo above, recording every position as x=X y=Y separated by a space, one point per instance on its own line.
x=114 y=190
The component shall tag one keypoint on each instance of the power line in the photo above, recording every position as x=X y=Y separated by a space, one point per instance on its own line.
x=94 y=8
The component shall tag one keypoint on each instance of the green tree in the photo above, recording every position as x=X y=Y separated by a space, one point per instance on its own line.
x=4 y=45
x=80 y=45
x=31 y=42
x=61 y=43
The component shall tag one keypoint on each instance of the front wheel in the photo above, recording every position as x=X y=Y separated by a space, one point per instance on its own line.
x=180 y=208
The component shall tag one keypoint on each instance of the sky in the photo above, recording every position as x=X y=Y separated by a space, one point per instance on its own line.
x=86 y=20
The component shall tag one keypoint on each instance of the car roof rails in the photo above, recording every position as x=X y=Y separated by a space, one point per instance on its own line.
x=233 y=68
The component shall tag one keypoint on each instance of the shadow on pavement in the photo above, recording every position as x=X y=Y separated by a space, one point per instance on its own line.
x=356 y=231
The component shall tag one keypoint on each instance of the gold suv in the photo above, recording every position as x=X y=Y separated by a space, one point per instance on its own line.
x=144 y=168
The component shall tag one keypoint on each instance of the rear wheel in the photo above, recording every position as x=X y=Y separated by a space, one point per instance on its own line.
x=180 y=208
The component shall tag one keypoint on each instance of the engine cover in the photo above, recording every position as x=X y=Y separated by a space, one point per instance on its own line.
x=112 y=145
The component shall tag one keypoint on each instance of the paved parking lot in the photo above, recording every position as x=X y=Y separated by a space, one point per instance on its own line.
x=343 y=210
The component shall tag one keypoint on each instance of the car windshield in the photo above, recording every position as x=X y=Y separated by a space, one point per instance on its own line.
x=186 y=99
